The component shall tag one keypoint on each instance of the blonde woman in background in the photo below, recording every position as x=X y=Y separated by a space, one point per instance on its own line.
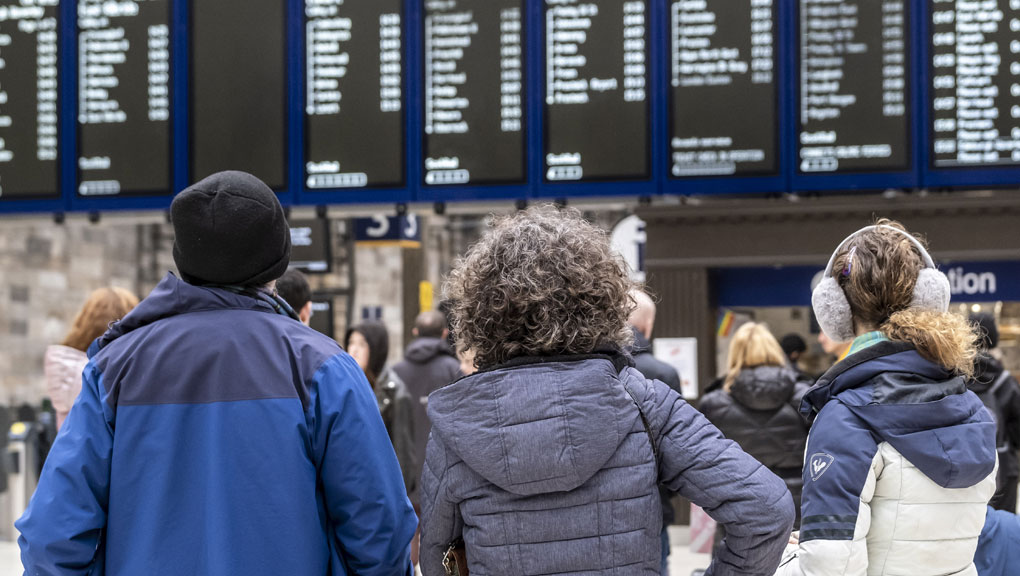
x=64 y=362
x=758 y=405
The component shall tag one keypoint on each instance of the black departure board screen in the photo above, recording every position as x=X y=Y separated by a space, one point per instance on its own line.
x=238 y=88
x=723 y=91
x=28 y=99
x=853 y=86
x=596 y=90
x=473 y=91
x=975 y=83
x=354 y=101
x=123 y=97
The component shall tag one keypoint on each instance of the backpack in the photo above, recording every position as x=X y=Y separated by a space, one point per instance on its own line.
x=990 y=402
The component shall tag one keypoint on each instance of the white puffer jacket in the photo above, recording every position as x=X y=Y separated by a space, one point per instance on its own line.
x=899 y=468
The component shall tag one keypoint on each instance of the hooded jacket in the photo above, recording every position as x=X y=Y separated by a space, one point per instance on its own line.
x=428 y=365
x=1004 y=402
x=62 y=367
x=899 y=467
x=215 y=436
x=761 y=413
x=546 y=466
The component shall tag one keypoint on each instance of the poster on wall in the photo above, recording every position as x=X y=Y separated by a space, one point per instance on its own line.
x=681 y=354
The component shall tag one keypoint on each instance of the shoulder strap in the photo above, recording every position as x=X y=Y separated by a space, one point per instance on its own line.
x=644 y=421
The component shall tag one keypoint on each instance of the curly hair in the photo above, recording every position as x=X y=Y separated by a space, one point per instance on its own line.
x=542 y=282
x=879 y=286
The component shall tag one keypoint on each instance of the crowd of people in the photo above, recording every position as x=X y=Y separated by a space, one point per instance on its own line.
x=528 y=427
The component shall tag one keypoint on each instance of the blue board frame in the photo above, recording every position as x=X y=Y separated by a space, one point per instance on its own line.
x=412 y=146
x=67 y=71
x=720 y=185
x=477 y=192
x=957 y=177
x=180 y=115
x=855 y=181
x=640 y=188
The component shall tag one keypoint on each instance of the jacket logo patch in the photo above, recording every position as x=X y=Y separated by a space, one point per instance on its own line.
x=819 y=463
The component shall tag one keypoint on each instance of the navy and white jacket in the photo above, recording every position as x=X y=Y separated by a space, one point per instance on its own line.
x=214 y=436
x=899 y=467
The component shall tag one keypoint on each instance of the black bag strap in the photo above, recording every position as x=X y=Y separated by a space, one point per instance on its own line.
x=644 y=420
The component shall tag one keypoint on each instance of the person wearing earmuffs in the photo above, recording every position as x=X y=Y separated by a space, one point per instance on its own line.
x=901 y=459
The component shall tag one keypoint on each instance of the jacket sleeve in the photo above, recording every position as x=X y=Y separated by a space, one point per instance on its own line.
x=696 y=461
x=372 y=519
x=63 y=526
x=839 y=482
x=441 y=522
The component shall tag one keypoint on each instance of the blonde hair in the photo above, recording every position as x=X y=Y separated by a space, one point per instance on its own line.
x=103 y=306
x=879 y=285
x=753 y=345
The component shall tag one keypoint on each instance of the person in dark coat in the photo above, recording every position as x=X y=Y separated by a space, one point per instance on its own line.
x=214 y=434
x=547 y=460
x=758 y=405
x=642 y=321
x=999 y=390
x=429 y=364
x=369 y=344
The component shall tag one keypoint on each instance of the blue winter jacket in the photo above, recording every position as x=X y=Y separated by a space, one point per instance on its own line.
x=545 y=466
x=213 y=436
x=998 y=551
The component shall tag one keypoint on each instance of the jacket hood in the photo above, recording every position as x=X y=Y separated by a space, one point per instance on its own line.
x=422 y=350
x=764 y=387
x=986 y=371
x=172 y=297
x=536 y=426
x=922 y=410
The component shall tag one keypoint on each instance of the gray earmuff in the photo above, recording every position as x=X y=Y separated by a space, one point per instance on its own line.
x=931 y=292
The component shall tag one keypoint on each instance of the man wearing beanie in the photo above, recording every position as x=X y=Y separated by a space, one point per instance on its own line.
x=999 y=391
x=214 y=434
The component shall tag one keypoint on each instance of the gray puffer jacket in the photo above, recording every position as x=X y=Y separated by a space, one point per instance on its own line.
x=545 y=466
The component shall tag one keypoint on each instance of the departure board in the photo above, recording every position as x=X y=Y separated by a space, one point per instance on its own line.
x=238 y=88
x=28 y=99
x=975 y=83
x=473 y=91
x=354 y=101
x=723 y=91
x=596 y=90
x=853 y=86
x=123 y=97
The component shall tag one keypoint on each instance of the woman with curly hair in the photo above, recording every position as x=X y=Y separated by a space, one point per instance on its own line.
x=547 y=460
x=900 y=462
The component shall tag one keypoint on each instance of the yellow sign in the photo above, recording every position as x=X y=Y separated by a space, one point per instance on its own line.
x=18 y=428
x=425 y=295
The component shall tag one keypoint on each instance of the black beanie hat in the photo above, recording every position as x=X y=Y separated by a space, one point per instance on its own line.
x=230 y=229
x=988 y=332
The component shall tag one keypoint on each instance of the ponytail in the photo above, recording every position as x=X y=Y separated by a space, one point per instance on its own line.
x=944 y=338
